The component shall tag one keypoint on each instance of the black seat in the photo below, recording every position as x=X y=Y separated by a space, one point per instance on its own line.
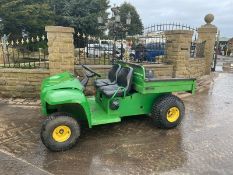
x=112 y=77
x=123 y=85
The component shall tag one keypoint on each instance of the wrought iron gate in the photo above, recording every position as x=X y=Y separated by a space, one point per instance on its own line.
x=216 y=52
x=149 y=47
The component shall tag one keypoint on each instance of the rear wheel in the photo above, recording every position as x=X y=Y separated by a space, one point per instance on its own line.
x=168 y=111
x=60 y=132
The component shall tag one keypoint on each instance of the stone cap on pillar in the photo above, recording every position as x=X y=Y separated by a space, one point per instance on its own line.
x=171 y=32
x=59 y=29
x=209 y=18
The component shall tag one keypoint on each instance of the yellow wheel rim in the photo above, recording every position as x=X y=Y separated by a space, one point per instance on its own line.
x=173 y=114
x=61 y=133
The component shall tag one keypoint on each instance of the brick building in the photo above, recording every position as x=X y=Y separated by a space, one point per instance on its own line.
x=230 y=47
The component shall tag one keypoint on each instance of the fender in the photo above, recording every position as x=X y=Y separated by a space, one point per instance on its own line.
x=66 y=96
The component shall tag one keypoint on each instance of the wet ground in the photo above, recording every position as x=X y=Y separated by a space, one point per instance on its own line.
x=221 y=60
x=202 y=144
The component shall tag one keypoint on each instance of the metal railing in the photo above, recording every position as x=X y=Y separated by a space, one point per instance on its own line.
x=93 y=50
x=168 y=26
x=197 y=49
x=150 y=48
x=27 y=53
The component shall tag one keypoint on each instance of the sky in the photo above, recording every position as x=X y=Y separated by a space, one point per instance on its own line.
x=190 y=12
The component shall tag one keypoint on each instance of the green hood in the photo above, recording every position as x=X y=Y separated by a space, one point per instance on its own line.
x=61 y=81
x=61 y=88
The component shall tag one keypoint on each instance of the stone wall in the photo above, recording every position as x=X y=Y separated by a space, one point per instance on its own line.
x=178 y=54
x=25 y=83
x=60 y=48
x=208 y=33
x=21 y=82
x=178 y=51
x=1 y=56
x=196 y=67
x=160 y=71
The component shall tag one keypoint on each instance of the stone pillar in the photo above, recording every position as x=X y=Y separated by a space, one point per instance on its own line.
x=208 y=33
x=60 y=48
x=1 y=56
x=178 y=51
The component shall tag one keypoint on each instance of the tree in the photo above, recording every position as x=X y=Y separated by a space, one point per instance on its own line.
x=136 y=26
x=80 y=14
x=31 y=16
x=28 y=16
x=1 y=26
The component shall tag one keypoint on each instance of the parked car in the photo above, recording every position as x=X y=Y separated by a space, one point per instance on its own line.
x=97 y=50
x=149 y=52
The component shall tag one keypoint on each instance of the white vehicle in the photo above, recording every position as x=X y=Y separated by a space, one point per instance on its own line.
x=105 y=47
x=97 y=50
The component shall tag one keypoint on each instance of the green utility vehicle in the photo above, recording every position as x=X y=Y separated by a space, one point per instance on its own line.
x=129 y=90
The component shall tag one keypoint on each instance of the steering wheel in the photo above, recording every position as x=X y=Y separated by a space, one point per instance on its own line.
x=90 y=70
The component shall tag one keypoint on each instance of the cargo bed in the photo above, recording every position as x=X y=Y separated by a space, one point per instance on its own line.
x=145 y=85
x=165 y=85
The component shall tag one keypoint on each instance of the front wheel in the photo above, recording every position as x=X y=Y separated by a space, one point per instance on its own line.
x=60 y=132
x=168 y=111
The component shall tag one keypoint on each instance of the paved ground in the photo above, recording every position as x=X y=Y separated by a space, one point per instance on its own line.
x=223 y=59
x=203 y=144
